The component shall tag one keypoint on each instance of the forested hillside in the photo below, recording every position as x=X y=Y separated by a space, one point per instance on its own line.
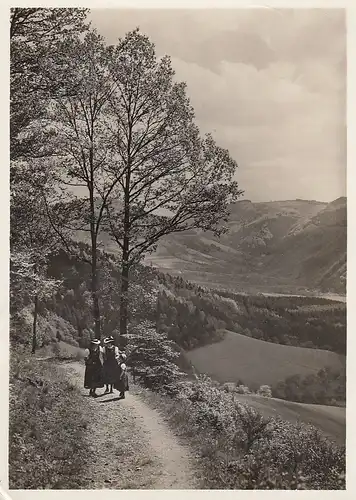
x=303 y=322
x=66 y=313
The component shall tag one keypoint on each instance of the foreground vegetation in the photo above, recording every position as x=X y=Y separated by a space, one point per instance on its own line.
x=240 y=449
x=237 y=447
x=48 y=444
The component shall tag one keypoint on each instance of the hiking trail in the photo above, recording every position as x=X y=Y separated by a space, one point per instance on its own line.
x=131 y=445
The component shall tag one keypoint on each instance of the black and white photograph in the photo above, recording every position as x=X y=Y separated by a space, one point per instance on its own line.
x=178 y=248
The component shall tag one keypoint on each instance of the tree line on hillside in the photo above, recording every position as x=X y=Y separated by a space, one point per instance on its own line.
x=327 y=387
x=112 y=121
x=296 y=321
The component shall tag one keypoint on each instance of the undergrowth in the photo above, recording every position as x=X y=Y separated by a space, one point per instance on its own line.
x=47 y=444
x=239 y=449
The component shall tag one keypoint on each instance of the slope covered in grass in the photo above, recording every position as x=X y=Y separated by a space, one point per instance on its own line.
x=257 y=362
x=329 y=419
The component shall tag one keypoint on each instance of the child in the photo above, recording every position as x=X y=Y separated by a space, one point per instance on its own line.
x=122 y=383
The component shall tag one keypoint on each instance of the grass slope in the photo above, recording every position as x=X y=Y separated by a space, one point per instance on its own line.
x=257 y=362
x=331 y=420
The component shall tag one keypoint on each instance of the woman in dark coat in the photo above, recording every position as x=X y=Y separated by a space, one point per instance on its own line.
x=93 y=378
x=110 y=368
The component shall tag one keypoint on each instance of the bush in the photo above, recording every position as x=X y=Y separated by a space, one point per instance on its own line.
x=47 y=443
x=265 y=391
x=229 y=387
x=56 y=349
x=240 y=449
x=152 y=358
x=242 y=389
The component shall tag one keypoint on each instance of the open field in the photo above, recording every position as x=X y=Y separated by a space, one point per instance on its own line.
x=257 y=362
x=329 y=419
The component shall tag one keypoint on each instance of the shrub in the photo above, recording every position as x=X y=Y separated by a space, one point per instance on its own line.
x=242 y=389
x=56 y=349
x=265 y=391
x=229 y=387
x=152 y=358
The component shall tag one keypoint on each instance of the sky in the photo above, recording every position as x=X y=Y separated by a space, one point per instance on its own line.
x=269 y=84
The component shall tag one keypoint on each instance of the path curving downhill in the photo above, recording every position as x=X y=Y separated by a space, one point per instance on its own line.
x=131 y=445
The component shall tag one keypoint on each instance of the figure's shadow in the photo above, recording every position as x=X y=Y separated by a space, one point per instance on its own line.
x=117 y=398
x=97 y=396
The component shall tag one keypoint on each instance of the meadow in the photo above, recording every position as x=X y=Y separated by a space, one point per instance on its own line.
x=256 y=362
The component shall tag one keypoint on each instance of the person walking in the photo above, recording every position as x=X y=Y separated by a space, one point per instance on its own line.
x=111 y=356
x=93 y=377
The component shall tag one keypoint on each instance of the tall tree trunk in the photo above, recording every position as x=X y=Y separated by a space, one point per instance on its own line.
x=124 y=277
x=94 y=293
x=94 y=270
x=34 y=325
x=124 y=298
x=125 y=258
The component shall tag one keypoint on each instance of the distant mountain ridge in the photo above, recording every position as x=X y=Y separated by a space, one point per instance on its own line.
x=278 y=246
x=290 y=246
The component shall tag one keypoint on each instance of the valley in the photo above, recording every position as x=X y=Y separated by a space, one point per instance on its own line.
x=287 y=247
x=292 y=247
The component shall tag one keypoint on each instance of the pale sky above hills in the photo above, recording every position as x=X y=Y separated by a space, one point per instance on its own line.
x=269 y=84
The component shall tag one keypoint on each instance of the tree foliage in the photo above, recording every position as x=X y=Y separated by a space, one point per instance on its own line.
x=304 y=322
x=34 y=34
x=327 y=387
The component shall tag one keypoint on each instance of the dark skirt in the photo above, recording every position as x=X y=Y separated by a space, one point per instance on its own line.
x=93 y=378
x=122 y=383
x=111 y=371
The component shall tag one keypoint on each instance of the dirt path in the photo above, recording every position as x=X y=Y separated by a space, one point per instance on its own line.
x=132 y=447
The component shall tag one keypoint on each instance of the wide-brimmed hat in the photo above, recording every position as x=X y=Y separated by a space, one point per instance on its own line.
x=95 y=342
x=109 y=340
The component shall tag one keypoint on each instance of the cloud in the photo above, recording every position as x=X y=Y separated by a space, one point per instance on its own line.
x=268 y=83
